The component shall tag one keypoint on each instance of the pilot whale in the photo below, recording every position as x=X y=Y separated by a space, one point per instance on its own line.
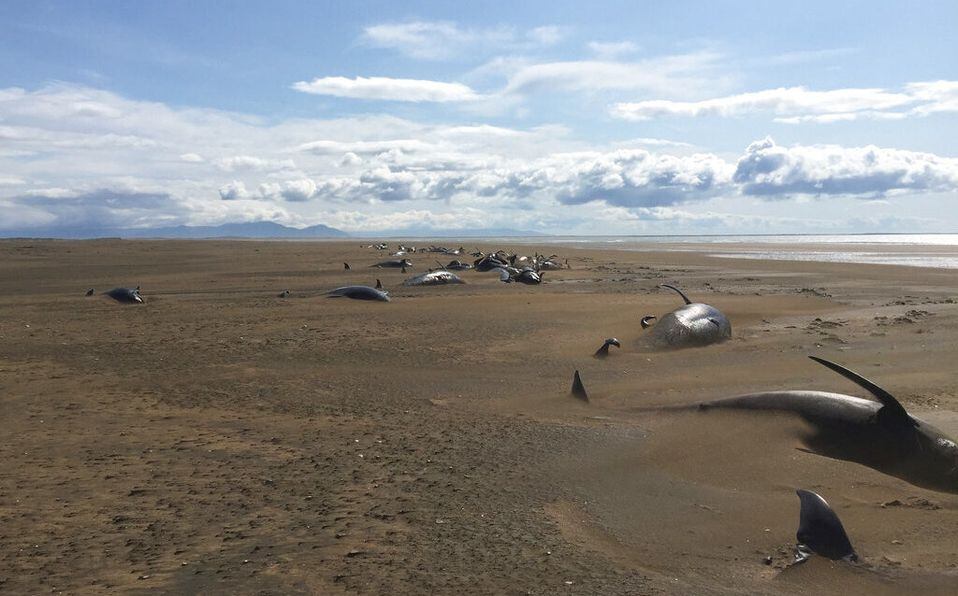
x=694 y=324
x=126 y=295
x=434 y=278
x=394 y=264
x=360 y=293
x=879 y=434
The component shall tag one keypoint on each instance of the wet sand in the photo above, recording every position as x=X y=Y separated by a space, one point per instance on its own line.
x=220 y=439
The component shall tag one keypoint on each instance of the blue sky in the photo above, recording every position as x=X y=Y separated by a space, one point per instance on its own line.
x=614 y=117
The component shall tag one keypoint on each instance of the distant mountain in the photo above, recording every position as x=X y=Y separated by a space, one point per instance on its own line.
x=259 y=229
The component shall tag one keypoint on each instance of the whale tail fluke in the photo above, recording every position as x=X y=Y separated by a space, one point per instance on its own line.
x=646 y=321
x=820 y=530
x=578 y=389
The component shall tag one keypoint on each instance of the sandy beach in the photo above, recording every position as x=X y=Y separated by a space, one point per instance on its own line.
x=219 y=439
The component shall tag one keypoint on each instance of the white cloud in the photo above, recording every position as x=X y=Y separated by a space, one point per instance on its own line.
x=539 y=178
x=939 y=96
x=546 y=36
x=799 y=104
x=192 y=157
x=234 y=191
x=771 y=170
x=680 y=74
x=350 y=159
x=652 y=142
x=302 y=189
x=441 y=40
x=388 y=89
x=791 y=100
x=325 y=147
x=249 y=162
x=612 y=50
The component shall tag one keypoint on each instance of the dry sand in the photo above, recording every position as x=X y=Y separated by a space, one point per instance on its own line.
x=219 y=439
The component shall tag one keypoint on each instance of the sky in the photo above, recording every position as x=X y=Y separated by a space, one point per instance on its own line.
x=561 y=117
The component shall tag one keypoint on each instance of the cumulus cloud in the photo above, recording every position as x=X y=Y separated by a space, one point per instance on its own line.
x=768 y=169
x=302 y=189
x=388 y=89
x=377 y=164
x=799 y=104
x=350 y=159
x=234 y=191
x=441 y=40
x=639 y=178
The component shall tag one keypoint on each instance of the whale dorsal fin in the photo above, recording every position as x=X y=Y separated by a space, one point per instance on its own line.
x=379 y=285
x=891 y=411
x=680 y=292
x=820 y=529
x=578 y=389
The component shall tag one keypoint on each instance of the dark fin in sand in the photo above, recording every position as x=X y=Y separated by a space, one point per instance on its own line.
x=603 y=351
x=578 y=389
x=680 y=292
x=891 y=413
x=820 y=530
x=646 y=321
x=90 y=292
x=379 y=285
x=346 y=266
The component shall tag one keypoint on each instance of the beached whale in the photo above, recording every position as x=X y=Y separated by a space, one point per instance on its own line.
x=456 y=265
x=529 y=277
x=694 y=324
x=878 y=434
x=488 y=263
x=394 y=264
x=126 y=295
x=434 y=278
x=360 y=293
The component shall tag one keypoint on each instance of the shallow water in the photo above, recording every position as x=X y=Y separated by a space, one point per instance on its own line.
x=914 y=250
